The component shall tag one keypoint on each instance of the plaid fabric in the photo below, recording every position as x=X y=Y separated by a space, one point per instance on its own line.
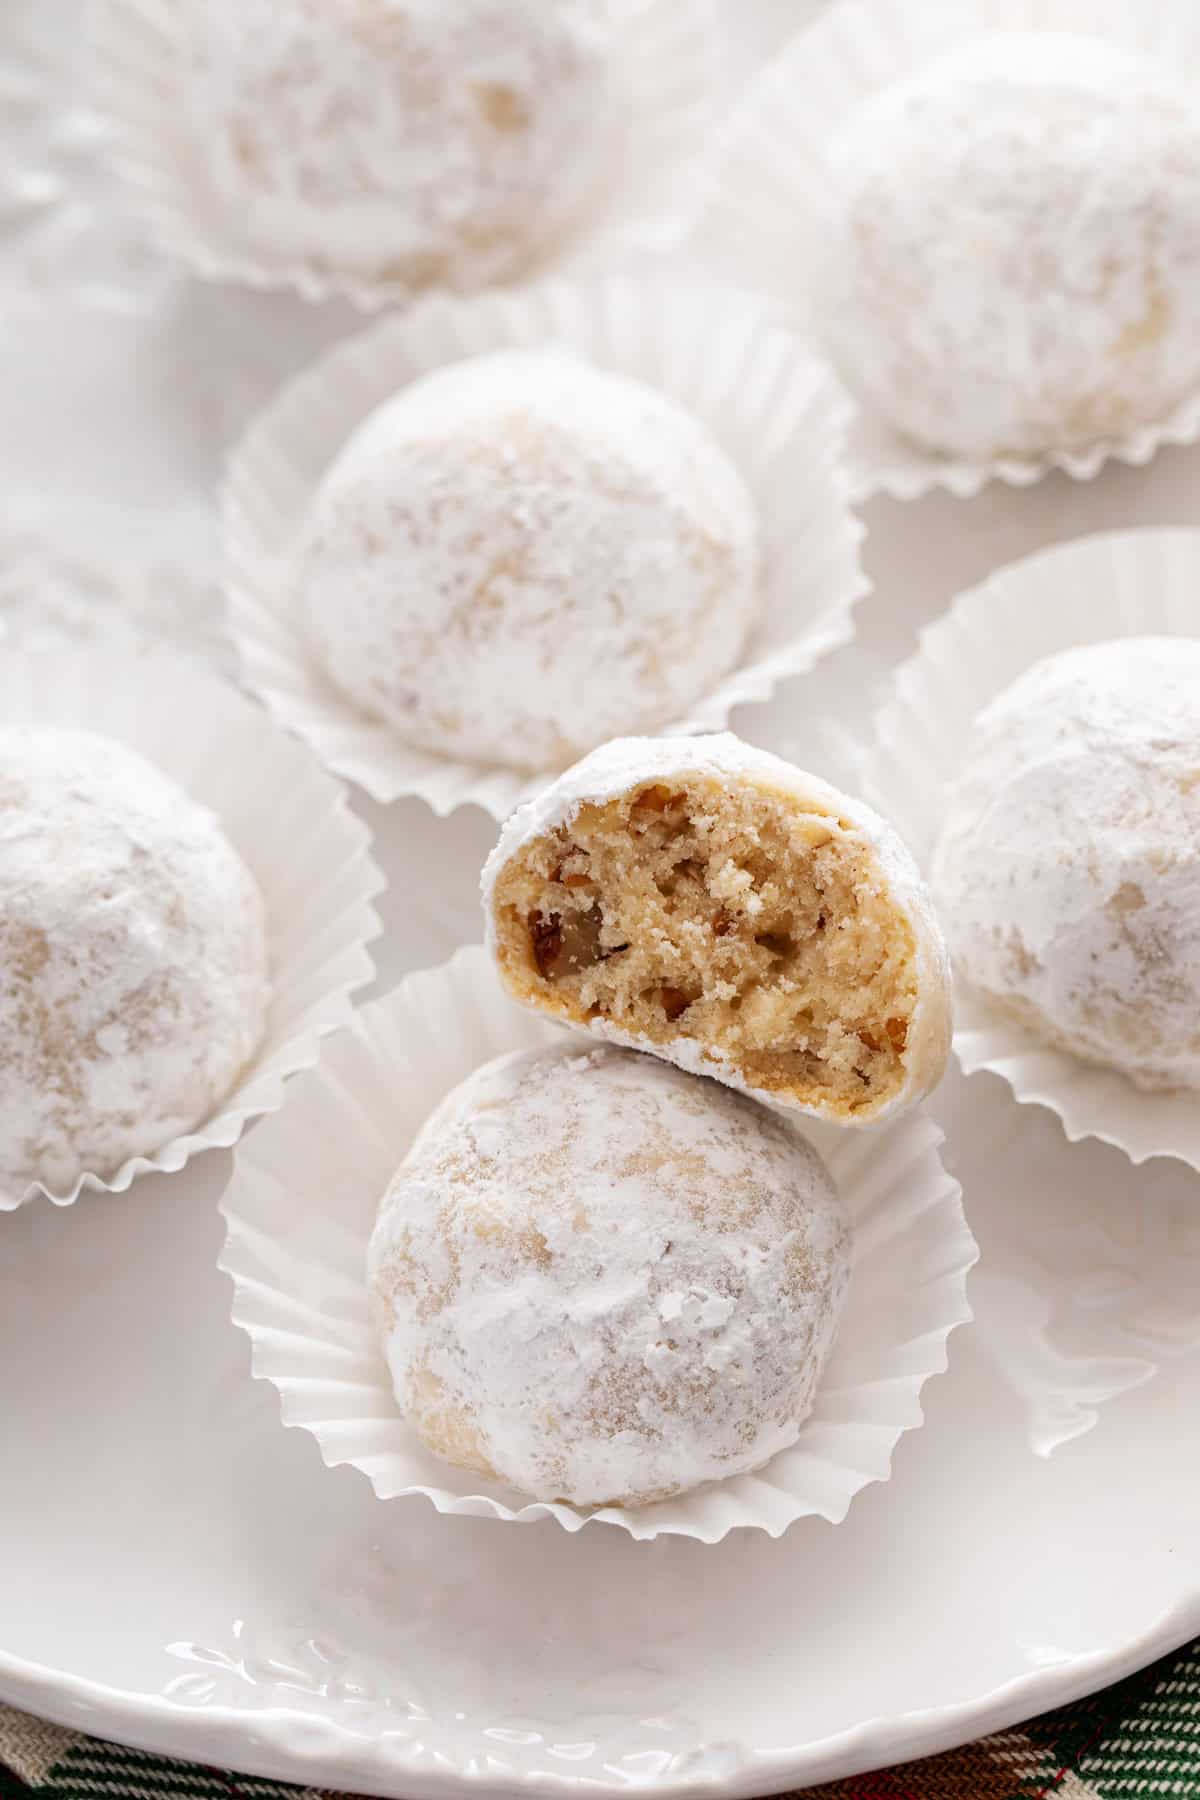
x=1139 y=1740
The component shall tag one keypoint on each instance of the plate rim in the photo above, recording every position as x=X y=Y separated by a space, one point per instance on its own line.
x=359 y=1762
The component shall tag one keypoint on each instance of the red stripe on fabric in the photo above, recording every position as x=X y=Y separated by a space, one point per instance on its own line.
x=1072 y=1767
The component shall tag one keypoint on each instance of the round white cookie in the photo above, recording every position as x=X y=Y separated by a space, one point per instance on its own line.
x=1068 y=868
x=1017 y=246
x=521 y=555
x=438 y=142
x=604 y=1281
x=133 y=960
x=707 y=901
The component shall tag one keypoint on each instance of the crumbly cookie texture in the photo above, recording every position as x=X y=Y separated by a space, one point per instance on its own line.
x=708 y=902
x=1017 y=266
x=437 y=142
x=133 y=959
x=520 y=555
x=1068 y=867
x=603 y=1281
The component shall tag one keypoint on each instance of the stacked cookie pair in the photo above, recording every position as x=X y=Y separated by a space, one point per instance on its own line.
x=604 y=1280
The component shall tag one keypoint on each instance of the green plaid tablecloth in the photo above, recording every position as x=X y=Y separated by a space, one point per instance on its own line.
x=1136 y=1741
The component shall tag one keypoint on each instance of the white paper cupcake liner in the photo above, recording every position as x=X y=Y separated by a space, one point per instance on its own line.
x=775 y=411
x=670 y=69
x=763 y=220
x=287 y=818
x=302 y=1203
x=1114 y=585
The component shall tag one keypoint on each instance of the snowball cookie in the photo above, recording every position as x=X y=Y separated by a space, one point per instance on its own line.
x=1068 y=868
x=133 y=961
x=706 y=901
x=603 y=1281
x=439 y=142
x=520 y=555
x=1019 y=263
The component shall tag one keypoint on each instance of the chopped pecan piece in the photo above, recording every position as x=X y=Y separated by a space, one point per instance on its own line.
x=545 y=936
x=566 y=942
x=571 y=871
x=655 y=798
x=895 y=1034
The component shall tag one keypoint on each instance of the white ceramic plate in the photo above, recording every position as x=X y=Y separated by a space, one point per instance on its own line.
x=179 y=1571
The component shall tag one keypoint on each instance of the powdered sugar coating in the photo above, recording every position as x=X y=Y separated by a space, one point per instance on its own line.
x=133 y=961
x=625 y=763
x=1068 y=867
x=1018 y=262
x=442 y=142
x=520 y=555
x=602 y=1281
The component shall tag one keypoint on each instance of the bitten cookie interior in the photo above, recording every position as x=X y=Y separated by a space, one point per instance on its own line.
x=724 y=916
